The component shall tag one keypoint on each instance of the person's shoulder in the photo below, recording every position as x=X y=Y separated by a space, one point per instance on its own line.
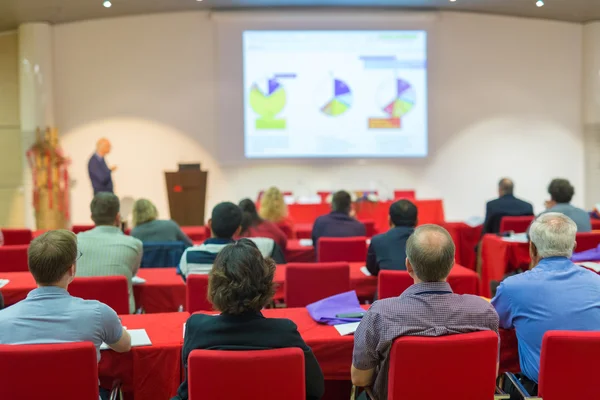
x=130 y=239
x=282 y=324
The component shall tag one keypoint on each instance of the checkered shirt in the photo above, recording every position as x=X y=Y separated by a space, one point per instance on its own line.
x=424 y=309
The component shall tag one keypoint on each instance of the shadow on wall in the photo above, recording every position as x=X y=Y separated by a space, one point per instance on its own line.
x=142 y=150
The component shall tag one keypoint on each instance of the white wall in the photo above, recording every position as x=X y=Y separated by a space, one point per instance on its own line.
x=505 y=100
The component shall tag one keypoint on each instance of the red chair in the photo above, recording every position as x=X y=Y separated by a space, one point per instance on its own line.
x=323 y=194
x=60 y=371
x=404 y=194
x=595 y=224
x=14 y=237
x=351 y=249
x=587 y=241
x=82 y=228
x=196 y=291
x=259 y=374
x=110 y=290
x=13 y=258
x=516 y=224
x=306 y=283
x=435 y=355
x=392 y=283
x=369 y=227
x=560 y=378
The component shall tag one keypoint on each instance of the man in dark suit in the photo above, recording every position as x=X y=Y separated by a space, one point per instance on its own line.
x=100 y=173
x=388 y=250
x=339 y=222
x=505 y=205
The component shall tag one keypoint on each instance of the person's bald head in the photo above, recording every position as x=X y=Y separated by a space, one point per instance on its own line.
x=505 y=186
x=430 y=253
x=103 y=147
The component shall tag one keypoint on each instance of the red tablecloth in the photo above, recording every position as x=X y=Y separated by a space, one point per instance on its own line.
x=462 y=280
x=430 y=212
x=297 y=253
x=149 y=372
x=164 y=290
x=499 y=257
x=465 y=238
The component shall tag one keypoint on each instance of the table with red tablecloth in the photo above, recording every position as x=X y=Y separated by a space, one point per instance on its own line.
x=500 y=257
x=462 y=280
x=296 y=252
x=163 y=291
x=148 y=372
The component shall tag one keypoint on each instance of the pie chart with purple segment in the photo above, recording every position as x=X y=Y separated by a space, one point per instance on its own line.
x=397 y=99
x=339 y=98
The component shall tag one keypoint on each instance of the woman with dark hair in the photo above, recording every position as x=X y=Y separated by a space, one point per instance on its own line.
x=258 y=227
x=240 y=285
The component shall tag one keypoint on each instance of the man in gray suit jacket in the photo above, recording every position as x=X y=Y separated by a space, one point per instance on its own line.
x=561 y=192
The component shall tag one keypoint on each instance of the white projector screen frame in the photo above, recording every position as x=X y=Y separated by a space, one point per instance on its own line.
x=229 y=92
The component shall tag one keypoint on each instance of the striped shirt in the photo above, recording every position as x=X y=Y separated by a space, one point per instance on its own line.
x=106 y=251
x=424 y=309
x=199 y=259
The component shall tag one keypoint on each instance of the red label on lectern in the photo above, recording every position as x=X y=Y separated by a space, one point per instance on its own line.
x=177 y=189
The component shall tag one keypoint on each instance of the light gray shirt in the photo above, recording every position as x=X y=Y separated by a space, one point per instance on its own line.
x=160 y=231
x=106 y=251
x=579 y=216
x=50 y=314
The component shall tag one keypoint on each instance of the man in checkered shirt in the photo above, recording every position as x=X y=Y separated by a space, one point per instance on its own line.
x=427 y=308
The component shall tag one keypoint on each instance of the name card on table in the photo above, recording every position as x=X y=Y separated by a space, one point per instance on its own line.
x=136 y=280
x=139 y=337
x=4 y=282
x=365 y=271
x=347 y=329
x=517 y=238
x=305 y=242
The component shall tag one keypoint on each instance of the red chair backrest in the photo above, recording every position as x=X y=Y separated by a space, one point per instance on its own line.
x=447 y=360
x=60 y=371
x=323 y=195
x=13 y=258
x=350 y=249
x=369 y=227
x=259 y=374
x=404 y=194
x=306 y=283
x=14 y=237
x=587 y=241
x=392 y=283
x=196 y=291
x=82 y=228
x=110 y=290
x=567 y=365
x=516 y=224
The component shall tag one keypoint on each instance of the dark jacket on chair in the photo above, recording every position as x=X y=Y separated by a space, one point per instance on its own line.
x=505 y=206
x=248 y=331
x=388 y=250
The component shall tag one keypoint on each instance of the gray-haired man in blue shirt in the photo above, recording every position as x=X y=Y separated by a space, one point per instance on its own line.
x=50 y=314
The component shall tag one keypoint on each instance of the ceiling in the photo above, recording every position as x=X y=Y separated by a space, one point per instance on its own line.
x=15 y=12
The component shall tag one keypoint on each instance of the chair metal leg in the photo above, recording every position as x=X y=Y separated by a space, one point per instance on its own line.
x=520 y=388
x=116 y=393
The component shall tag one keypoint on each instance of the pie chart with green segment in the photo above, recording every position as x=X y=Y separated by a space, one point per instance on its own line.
x=341 y=99
x=403 y=100
x=267 y=98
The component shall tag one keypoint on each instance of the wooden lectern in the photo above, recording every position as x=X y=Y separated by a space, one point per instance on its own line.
x=187 y=194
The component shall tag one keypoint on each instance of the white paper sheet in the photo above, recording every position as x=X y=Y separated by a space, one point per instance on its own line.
x=474 y=221
x=4 y=282
x=589 y=265
x=136 y=280
x=365 y=271
x=517 y=238
x=139 y=337
x=305 y=242
x=346 y=329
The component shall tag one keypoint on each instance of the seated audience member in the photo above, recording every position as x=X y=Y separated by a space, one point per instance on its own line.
x=149 y=229
x=427 y=308
x=388 y=250
x=561 y=192
x=267 y=246
x=49 y=314
x=1 y=301
x=506 y=205
x=274 y=209
x=555 y=295
x=338 y=223
x=224 y=224
x=108 y=251
x=240 y=285
x=260 y=227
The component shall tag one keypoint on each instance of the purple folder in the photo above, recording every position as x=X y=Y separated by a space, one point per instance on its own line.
x=588 y=255
x=325 y=311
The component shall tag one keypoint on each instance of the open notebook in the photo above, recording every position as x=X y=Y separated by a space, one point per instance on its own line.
x=139 y=337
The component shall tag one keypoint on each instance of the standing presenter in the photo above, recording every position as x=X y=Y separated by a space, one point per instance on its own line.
x=100 y=172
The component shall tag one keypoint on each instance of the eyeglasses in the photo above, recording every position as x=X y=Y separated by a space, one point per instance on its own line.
x=78 y=255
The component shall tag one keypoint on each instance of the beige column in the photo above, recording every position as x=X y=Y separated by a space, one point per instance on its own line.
x=36 y=96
